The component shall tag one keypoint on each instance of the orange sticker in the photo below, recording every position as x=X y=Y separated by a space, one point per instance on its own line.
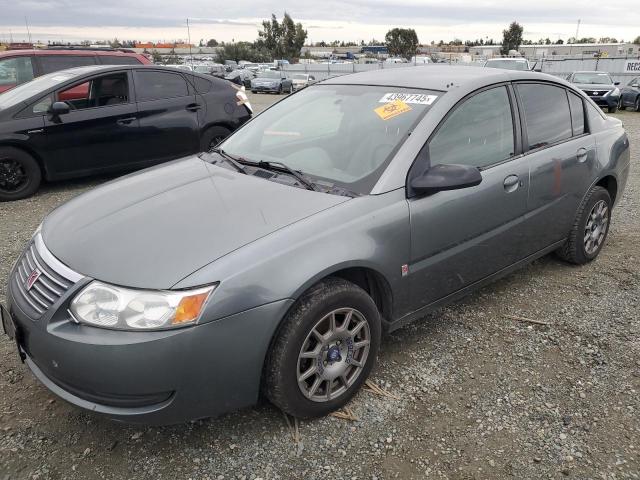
x=392 y=109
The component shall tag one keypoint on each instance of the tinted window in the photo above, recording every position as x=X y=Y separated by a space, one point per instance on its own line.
x=14 y=71
x=154 y=85
x=577 y=114
x=479 y=132
x=118 y=60
x=53 y=63
x=633 y=82
x=546 y=113
x=202 y=85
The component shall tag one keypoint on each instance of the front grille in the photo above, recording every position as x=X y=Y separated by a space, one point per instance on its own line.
x=45 y=290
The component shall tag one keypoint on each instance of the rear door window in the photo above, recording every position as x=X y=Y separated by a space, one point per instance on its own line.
x=14 y=71
x=577 y=114
x=53 y=63
x=546 y=113
x=156 y=85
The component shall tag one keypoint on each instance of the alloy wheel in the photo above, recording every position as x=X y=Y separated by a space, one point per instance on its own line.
x=333 y=355
x=13 y=176
x=596 y=228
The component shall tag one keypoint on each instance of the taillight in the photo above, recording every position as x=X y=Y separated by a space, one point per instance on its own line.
x=243 y=99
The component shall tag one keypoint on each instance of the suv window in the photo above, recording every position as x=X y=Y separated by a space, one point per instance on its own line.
x=634 y=82
x=118 y=60
x=546 y=113
x=14 y=71
x=53 y=63
x=479 y=132
x=577 y=114
x=112 y=89
x=154 y=85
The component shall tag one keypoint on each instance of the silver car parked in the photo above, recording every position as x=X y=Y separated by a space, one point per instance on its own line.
x=274 y=262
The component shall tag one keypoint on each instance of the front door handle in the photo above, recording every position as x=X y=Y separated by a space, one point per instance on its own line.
x=125 y=121
x=582 y=154
x=511 y=183
x=194 y=107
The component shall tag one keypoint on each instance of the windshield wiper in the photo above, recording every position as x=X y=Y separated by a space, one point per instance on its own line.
x=269 y=165
x=230 y=159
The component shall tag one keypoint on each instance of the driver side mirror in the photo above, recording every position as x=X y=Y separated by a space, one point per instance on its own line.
x=446 y=177
x=59 y=108
x=616 y=83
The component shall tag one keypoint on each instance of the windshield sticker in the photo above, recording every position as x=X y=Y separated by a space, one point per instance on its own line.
x=414 y=98
x=392 y=109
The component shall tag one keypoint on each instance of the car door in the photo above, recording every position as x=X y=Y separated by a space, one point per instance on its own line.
x=100 y=132
x=562 y=158
x=168 y=112
x=631 y=92
x=458 y=237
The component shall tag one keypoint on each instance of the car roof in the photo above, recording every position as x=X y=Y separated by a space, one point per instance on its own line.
x=62 y=51
x=439 y=77
x=591 y=71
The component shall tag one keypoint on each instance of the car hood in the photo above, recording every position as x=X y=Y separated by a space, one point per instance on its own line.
x=595 y=88
x=153 y=228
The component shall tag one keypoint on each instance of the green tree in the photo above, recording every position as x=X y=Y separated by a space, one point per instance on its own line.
x=242 y=51
x=511 y=38
x=402 y=42
x=281 y=39
x=155 y=56
x=559 y=42
x=212 y=43
x=637 y=40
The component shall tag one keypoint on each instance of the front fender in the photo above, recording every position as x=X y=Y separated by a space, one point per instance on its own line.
x=370 y=231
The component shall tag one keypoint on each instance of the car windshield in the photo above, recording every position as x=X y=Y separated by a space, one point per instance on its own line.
x=508 y=64
x=24 y=92
x=270 y=74
x=299 y=77
x=592 y=78
x=343 y=134
x=203 y=69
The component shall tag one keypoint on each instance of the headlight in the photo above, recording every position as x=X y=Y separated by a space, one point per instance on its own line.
x=108 y=306
x=614 y=93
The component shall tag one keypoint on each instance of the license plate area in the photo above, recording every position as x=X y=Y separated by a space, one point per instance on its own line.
x=12 y=330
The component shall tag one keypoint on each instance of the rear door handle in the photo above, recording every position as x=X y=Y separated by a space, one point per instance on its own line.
x=125 y=121
x=194 y=107
x=582 y=154
x=511 y=183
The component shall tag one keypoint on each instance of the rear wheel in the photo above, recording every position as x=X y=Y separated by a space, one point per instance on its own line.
x=212 y=137
x=20 y=174
x=590 y=228
x=637 y=104
x=324 y=350
x=621 y=104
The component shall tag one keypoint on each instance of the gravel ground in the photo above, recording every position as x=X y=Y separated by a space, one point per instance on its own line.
x=478 y=394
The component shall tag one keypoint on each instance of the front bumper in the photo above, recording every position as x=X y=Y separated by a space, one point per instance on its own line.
x=264 y=88
x=609 y=101
x=156 y=378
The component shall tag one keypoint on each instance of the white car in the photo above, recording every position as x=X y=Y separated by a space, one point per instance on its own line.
x=301 y=80
x=509 y=63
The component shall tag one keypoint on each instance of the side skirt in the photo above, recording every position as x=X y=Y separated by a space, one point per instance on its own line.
x=410 y=317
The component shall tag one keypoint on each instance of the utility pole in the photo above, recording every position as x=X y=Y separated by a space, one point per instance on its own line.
x=26 y=22
x=575 y=39
x=189 y=36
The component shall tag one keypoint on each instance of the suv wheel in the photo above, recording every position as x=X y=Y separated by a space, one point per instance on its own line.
x=638 y=104
x=324 y=350
x=621 y=104
x=20 y=174
x=590 y=228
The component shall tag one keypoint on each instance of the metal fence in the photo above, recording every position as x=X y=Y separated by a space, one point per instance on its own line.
x=559 y=66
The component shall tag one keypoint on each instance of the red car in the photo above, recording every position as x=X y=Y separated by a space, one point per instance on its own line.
x=20 y=66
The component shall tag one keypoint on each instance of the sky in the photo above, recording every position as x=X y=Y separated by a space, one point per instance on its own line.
x=348 y=20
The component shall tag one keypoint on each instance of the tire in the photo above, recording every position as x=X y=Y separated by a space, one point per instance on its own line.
x=280 y=90
x=212 y=136
x=290 y=90
x=577 y=249
x=613 y=109
x=254 y=91
x=20 y=174
x=637 y=104
x=350 y=306
x=621 y=104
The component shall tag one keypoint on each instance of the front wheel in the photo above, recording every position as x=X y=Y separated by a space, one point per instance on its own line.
x=290 y=89
x=637 y=104
x=324 y=350
x=613 y=109
x=20 y=174
x=590 y=228
x=621 y=104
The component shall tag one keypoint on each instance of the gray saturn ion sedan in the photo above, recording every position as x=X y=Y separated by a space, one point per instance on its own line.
x=273 y=263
